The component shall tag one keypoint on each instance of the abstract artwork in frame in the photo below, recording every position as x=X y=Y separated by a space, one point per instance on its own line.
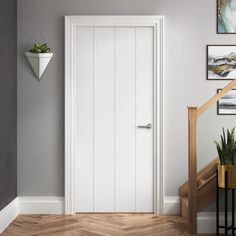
x=226 y=16
x=227 y=104
x=221 y=62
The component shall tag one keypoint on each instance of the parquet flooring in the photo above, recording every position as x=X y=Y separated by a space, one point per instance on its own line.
x=97 y=225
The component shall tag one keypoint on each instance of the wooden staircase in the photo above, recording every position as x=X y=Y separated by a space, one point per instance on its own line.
x=206 y=189
x=199 y=191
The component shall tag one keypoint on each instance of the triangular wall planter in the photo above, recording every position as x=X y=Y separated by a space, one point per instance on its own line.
x=39 y=62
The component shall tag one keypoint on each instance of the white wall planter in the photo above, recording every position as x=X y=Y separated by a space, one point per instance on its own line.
x=39 y=62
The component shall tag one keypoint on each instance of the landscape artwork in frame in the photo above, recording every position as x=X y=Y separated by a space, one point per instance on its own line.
x=221 y=62
x=227 y=104
x=226 y=16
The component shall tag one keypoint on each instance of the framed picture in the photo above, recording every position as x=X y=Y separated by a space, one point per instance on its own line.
x=227 y=104
x=226 y=20
x=221 y=62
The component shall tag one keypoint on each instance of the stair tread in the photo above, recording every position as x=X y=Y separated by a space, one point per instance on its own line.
x=205 y=181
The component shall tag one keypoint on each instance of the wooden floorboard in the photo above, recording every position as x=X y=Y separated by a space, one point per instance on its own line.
x=97 y=225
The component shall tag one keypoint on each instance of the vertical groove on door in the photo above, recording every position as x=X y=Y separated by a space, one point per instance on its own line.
x=76 y=125
x=135 y=75
x=94 y=119
x=114 y=118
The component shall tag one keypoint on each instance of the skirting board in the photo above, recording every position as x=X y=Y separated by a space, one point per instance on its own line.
x=8 y=214
x=30 y=205
x=171 y=206
x=55 y=205
x=207 y=222
x=41 y=205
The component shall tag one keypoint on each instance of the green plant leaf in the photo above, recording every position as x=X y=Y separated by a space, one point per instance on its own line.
x=40 y=48
x=226 y=148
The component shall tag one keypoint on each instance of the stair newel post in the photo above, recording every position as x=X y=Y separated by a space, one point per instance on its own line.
x=192 y=169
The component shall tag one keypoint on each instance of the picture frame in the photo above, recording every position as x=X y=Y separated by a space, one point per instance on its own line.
x=221 y=62
x=227 y=104
x=225 y=11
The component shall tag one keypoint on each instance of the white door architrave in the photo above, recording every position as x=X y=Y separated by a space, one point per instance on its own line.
x=157 y=22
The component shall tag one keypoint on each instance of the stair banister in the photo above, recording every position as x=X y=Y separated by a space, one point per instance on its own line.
x=192 y=168
x=216 y=98
x=193 y=114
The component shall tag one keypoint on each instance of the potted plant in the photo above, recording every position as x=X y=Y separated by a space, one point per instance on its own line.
x=39 y=56
x=227 y=157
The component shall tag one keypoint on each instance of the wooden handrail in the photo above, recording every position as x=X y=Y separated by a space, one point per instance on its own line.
x=216 y=97
x=193 y=114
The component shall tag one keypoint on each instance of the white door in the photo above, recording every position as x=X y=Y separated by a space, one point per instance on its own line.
x=114 y=74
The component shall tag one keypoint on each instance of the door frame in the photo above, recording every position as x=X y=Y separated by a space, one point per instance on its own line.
x=157 y=22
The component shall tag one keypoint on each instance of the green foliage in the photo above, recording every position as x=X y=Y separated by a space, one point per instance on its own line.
x=227 y=148
x=40 y=48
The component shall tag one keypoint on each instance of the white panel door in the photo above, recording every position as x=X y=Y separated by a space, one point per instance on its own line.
x=114 y=105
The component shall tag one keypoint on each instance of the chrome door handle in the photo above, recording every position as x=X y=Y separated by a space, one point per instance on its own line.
x=148 y=126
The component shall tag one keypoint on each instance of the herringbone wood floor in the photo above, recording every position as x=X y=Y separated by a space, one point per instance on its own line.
x=97 y=225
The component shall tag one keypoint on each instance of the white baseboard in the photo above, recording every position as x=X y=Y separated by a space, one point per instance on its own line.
x=30 y=205
x=55 y=205
x=41 y=205
x=8 y=214
x=207 y=222
x=171 y=205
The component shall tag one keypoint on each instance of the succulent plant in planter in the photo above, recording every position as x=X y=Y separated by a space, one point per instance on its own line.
x=226 y=149
x=39 y=56
x=40 y=48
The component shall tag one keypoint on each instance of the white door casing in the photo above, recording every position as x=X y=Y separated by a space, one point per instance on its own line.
x=114 y=27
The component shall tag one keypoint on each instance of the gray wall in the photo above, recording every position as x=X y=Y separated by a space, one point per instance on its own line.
x=8 y=107
x=190 y=25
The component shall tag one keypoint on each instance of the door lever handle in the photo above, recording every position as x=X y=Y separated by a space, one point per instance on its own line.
x=148 y=126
